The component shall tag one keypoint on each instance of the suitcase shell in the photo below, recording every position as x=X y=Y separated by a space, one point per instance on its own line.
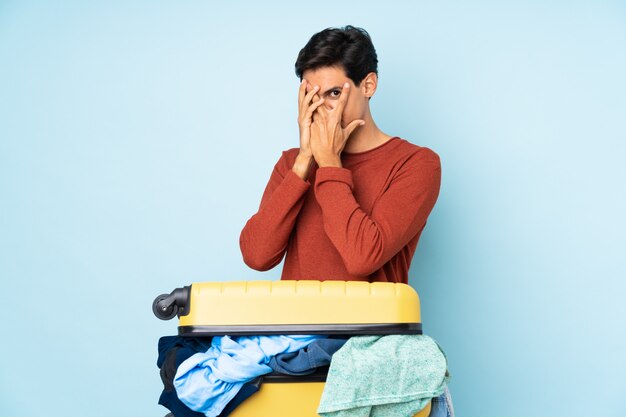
x=297 y=307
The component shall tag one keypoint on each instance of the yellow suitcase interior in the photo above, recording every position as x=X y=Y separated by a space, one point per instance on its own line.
x=291 y=307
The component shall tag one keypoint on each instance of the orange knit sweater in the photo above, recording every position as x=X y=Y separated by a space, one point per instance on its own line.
x=360 y=222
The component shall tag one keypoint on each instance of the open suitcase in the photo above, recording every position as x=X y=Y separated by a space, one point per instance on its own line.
x=345 y=308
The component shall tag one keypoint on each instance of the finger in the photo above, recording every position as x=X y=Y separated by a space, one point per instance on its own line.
x=317 y=112
x=317 y=107
x=304 y=111
x=323 y=112
x=352 y=126
x=309 y=96
x=345 y=92
x=302 y=91
x=316 y=97
x=315 y=134
x=311 y=111
x=315 y=123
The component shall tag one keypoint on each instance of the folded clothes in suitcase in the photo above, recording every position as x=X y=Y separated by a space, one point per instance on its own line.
x=346 y=308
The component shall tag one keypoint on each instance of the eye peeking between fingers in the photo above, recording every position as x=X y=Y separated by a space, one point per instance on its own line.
x=336 y=93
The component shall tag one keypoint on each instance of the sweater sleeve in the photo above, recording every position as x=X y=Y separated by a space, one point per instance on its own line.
x=264 y=238
x=367 y=242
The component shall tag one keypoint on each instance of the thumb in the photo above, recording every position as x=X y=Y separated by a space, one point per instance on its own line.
x=353 y=125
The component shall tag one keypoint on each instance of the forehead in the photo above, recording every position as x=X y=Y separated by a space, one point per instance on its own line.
x=326 y=76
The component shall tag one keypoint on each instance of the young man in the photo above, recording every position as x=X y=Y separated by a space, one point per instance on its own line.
x=351 y=202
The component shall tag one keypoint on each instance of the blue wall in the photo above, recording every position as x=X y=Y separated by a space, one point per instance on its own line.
x=136 y=139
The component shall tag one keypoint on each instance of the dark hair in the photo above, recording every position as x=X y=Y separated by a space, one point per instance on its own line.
x=349 y=47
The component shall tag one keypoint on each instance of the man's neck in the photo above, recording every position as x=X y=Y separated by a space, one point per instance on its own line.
x=366 y=137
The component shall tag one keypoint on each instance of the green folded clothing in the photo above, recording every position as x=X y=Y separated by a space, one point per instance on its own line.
x=380 y=376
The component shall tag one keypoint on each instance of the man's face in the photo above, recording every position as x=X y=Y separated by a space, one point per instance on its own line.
x=331 y=80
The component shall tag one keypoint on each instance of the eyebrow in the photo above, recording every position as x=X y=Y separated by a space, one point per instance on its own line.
x=325 y=93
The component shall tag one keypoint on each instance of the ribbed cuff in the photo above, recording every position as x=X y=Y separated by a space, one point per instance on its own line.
x=325 y=174
x=293 y=181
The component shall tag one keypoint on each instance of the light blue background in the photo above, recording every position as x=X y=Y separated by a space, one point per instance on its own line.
x=136 y=139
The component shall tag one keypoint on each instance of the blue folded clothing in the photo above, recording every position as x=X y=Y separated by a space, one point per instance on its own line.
x=306 y=360
x=206 y=382
x=174 y=350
